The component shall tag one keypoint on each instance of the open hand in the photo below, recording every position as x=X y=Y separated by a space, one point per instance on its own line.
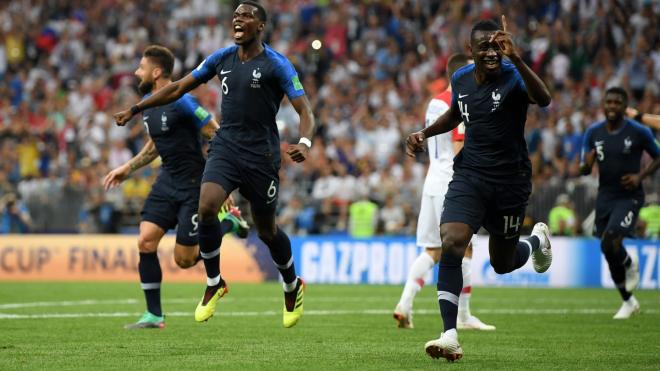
x=116 y=176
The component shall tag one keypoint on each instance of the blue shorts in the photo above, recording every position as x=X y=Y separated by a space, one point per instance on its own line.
x=500 y=208
x=257 y=181
x=617 y=214
x=169 y=207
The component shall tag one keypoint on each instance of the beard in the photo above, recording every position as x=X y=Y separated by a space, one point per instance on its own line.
x=145 y=87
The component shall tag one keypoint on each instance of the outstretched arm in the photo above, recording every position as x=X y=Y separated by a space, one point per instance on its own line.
x=298 y=152
x=446 y=122
x=536 y=89
x=118 y=175
x=168 y=94
x=652 y=121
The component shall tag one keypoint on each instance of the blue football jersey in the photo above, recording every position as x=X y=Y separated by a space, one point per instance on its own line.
x=251 y=96
x=494 y=115
x=619 y=153
x=174 y=128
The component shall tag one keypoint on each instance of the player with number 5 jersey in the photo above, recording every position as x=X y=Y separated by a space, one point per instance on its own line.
x=245 y=153
x=492 y=173
x=617 y=144
x=174 y=135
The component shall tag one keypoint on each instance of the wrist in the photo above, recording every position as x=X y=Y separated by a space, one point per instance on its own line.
x=306 y=142
x=135 y=109
x=638 y=117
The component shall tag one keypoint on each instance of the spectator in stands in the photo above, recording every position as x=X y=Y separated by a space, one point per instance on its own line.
x=562 y=219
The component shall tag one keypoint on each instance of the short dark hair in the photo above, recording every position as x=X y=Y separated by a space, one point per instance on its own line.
x=484 y=25
x=162 y=57
x=618 y=90
x=261 y=12
x=455 y=62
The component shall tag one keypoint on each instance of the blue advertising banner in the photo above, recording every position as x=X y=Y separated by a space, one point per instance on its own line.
x=577 y=262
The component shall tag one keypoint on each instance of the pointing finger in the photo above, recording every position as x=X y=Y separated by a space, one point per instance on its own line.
x=503 y=23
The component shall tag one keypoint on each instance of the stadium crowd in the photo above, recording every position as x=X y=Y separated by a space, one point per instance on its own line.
x=67 y=66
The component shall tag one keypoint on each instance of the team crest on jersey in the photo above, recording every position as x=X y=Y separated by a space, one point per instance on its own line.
x=496 y=100
x=256 y=75
x=163 y=123
x=627 y=144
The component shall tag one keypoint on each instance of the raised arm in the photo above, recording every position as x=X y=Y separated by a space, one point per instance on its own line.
x=144 y=157
x=536 y=89
x=298 y=152
x=168 y=94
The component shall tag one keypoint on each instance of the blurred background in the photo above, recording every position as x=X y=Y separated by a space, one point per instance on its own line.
x=369 y=69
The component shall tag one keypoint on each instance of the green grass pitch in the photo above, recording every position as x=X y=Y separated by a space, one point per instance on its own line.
x=78 y=326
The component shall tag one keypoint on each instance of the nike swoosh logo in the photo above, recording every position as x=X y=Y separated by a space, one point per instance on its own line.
x=270 y=201
x=145 y=118
x=223 y=72
x=193 y=234
x=463 y=95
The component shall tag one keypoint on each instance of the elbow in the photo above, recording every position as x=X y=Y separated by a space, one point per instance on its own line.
x=544 y=100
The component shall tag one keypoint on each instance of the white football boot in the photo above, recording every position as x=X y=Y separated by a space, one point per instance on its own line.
x=446 y=346
x=542 y=257
x=403 y=317
x=632 y=273
x=473 y=323
x=628 y=308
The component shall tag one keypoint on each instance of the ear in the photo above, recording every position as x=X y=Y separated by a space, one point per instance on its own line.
x=156 y=73
x=261 y=27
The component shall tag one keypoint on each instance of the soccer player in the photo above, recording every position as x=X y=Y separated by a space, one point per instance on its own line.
x=492 y=173
x=174 y=134
x=441 y=154
x=245 y=153
x=617 y=144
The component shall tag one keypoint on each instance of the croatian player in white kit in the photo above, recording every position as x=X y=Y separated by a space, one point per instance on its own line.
x=442 y=149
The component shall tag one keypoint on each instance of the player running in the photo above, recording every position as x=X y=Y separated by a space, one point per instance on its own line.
x=442 y=150
x=174 y=134
x=245 y=154
x=492 y=173
x=617 y=144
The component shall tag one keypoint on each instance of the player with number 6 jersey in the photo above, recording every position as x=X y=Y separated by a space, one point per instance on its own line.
x=617 y=144
x=174 y=135
x=245 y=154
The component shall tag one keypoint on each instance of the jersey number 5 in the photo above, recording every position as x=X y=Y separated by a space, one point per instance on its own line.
x=599 y=152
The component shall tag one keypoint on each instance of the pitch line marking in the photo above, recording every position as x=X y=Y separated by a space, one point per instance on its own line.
x=372 y=312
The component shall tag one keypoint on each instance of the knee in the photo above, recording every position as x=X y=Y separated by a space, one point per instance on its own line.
x=184 y=261
x=434 y=254
x=206 y=210
x=267 y=233
x=147 y=245
x=454 y=243
x=500 y=268
x=608 y=242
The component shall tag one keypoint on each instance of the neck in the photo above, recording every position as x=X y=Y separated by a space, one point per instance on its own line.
x=251 y=50
x=614 y=125
x=160 y=83
x=480 y=76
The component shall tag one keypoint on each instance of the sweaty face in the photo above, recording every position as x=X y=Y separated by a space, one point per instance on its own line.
x=246 y=24
x=614 y=106
x=144 y=73
x=487 y=56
